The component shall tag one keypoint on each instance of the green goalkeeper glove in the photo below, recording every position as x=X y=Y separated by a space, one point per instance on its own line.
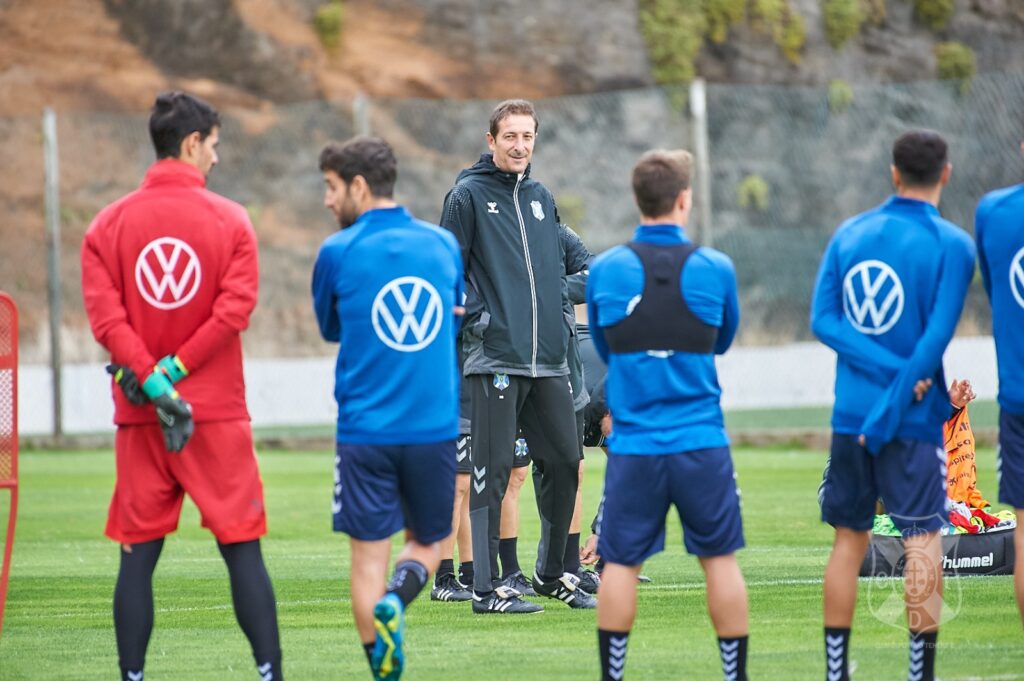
x=173 y=367
x=129 y=383
x=175 y=414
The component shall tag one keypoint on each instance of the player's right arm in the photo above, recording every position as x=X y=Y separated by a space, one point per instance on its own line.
x=830 y=325
x=980 y=224
x=104 y=305
x=325 y=303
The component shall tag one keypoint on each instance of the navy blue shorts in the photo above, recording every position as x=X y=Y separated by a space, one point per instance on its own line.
x=909 y=476
x=381 y=489
x=638 y=491
x=1010 y=459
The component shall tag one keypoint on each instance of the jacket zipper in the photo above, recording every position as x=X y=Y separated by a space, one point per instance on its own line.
x=529 y=270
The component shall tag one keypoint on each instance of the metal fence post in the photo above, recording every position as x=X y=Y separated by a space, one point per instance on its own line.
x=52 y=200
x=701 y=145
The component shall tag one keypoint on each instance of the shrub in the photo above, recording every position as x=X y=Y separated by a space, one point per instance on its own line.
x=934 y=14
x=720 y=16
x=843 y=19
x=956 y=62
x=840 y=96
x=674 y=33
x=767 y=16
x=752 y=193
x=793 y=37
x=327 y=23
x=875 y=11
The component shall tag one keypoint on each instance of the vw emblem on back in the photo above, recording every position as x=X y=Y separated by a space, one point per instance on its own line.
x=872 y=297
x=406 y=314
x=1017 y=277
x=167 y=273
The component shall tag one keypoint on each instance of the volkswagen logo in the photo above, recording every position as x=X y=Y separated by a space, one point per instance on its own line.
x=1017 y=277
x=407 y=314
x=167 y=273
x=872 y=297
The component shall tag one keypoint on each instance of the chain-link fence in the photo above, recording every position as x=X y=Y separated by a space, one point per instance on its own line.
x=787 y=165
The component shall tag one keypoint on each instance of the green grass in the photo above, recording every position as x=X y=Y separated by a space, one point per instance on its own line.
x=984 y=415
x=58 y=620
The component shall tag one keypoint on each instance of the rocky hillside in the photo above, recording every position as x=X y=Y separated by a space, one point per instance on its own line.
x=286 y=88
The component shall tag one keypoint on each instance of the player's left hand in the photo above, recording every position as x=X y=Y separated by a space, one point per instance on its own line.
x=921 y=388
x=960 y=393
x=175 y=416
x=588 y=552
x=128 y=382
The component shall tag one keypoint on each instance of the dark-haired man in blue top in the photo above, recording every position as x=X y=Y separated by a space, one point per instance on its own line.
x=999 y=230
x=888 y=296
x=385 y=288
x=660 y=308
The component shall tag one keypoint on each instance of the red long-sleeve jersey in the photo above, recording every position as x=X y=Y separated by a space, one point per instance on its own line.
x=172 y=268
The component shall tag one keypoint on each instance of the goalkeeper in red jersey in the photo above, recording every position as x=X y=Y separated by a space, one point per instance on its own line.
x=170 y=277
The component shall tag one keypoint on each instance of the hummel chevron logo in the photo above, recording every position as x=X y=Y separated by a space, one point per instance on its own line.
x=730 y=657
x=479 y=484
x=266 y=672
x=135 y=676
x=835 y=664
x=617 y=656
x=835 y=676
x=834 y=651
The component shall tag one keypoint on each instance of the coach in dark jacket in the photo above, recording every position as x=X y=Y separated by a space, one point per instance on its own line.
x=515 y=338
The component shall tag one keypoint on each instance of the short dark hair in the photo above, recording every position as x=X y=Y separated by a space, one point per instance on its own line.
x=371 y=157
x=175 y=116
x=920 y=156
x=658 y=177
x=513 y=107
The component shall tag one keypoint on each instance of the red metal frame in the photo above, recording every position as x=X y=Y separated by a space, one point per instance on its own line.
x=8 y=431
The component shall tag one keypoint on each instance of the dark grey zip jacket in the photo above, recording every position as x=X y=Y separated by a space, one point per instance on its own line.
x=508 y=228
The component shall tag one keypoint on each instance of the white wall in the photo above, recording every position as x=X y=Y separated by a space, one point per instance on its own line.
x=297 y=392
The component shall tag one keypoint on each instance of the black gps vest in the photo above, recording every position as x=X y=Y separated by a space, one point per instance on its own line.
x=661 y=319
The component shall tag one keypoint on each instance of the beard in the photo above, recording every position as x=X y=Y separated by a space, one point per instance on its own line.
x=347 y=214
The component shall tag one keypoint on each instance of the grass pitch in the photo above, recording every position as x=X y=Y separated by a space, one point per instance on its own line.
x=58 y=622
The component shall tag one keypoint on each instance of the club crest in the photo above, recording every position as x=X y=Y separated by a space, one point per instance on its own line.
x=538 y=210
x=500 y=381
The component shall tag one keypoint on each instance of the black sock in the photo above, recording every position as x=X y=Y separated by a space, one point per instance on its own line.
x=447 y=567
x=466 y=573
x=133 y=605
x=922 y=655
x=837 y=645
x=255 y=606
x=368 y=649
x=408 y=580
x=507 y=555
x=734 y=657
x=612 y=647
x=571 y=561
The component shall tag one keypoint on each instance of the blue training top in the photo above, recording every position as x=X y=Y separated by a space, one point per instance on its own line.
x=386 y=288
x=887 y=299
x=663 y=402
x=999 y=230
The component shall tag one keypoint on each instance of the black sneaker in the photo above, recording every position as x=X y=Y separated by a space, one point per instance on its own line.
x=589 y=581
x=504 y=600
x=518 y=581
x=449 y=588
x=566 y=589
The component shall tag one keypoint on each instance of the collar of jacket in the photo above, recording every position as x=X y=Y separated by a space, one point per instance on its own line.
x=486 y=165
x=171 y=171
